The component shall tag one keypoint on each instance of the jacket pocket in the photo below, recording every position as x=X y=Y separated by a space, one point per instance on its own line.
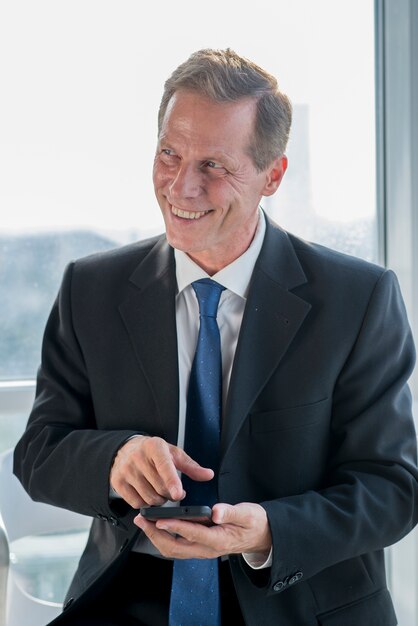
x=292 y=417
x=374 y=610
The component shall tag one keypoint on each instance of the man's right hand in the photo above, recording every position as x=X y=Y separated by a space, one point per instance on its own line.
x=145 y=471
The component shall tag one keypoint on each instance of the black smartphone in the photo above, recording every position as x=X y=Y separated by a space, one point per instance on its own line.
x=201 y=514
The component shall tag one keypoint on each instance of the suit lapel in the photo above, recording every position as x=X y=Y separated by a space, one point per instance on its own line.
x=149 y=316
x=272 y=318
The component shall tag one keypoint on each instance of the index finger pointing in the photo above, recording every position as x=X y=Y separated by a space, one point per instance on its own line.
x=166 y=469
x=185 y=464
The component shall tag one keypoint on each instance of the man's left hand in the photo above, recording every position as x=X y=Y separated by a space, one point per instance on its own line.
x=237 y=529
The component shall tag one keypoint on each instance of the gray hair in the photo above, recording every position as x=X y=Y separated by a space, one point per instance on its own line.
x=224 y=76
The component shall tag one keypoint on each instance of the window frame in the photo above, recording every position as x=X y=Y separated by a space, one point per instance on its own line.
x=396 y=33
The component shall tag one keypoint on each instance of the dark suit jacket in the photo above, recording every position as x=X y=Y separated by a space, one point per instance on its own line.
x=317 y=429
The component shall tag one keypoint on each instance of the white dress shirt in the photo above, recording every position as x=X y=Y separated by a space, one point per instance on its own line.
x=236 y=279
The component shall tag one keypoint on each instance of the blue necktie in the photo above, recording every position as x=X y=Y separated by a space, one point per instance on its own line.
x=195 y=597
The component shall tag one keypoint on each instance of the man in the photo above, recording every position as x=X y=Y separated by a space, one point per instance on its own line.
x=317 y=462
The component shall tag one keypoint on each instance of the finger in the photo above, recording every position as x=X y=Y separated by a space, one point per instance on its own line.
x=247 y=522
x=172 y=546
x=131 y=496
x=147 y=491
x=210 y=542
x=151 y=475
x=185 y=464
x=145 y=463
x=223 y=513
x=133 y=483
x=192 y=531
x=139 y=493
x=162 y=458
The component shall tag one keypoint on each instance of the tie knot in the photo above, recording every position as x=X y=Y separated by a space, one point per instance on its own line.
x=208 y=293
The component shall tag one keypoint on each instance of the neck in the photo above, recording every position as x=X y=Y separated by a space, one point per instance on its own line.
x=214 y=260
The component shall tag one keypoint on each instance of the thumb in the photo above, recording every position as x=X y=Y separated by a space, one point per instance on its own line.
x=223 y=513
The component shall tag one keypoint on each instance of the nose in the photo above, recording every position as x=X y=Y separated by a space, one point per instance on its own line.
x=186 y=183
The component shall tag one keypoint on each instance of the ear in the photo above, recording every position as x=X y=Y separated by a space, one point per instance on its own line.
x=274 y=175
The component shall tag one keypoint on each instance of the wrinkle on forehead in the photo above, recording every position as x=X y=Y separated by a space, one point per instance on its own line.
x=207 y=129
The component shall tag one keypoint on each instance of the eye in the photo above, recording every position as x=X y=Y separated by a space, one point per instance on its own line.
x=168 y=156
x=212 y=165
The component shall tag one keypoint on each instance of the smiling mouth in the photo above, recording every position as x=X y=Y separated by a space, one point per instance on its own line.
x=188 y=215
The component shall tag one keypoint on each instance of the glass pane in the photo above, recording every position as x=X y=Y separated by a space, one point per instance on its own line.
x=78 y=131
x=31 y=267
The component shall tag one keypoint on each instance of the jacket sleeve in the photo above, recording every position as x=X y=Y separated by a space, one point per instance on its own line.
x=62 y=458
x=369 y=499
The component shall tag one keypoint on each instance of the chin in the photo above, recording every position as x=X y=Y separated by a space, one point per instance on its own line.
x=178 y=242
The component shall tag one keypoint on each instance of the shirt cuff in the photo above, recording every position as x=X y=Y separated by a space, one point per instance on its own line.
x=257 y=561
x=113 y=494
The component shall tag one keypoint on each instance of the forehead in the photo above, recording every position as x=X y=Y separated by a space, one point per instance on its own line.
x=198 y=121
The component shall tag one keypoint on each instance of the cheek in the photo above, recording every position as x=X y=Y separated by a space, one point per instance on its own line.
x=221 y=193
x=160 y=176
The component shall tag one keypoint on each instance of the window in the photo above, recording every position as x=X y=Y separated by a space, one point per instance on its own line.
x=78 y=131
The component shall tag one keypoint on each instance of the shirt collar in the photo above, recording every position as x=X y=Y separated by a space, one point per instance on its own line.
x=236 y=276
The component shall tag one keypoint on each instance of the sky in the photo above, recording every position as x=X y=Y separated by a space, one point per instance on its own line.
x=81 y=82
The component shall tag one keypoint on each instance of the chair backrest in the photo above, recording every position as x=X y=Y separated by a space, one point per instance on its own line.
x=4 y=568
x=22 y=516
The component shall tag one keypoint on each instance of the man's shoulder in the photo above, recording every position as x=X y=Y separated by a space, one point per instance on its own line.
x=326 y=259
x=122 y=253
x=111 y=270
x=121 y=256
x=317 y=266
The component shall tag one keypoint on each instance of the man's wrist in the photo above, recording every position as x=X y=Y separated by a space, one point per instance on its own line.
x=112 y=493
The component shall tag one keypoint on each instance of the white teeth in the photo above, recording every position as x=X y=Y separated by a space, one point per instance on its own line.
x=188 y=215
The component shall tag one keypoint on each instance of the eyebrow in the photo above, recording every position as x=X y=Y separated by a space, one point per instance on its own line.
x=164 y=142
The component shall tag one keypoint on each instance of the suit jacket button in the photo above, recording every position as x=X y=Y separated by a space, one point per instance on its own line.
x=68 y=603
x=295 y=578
x=279 y=585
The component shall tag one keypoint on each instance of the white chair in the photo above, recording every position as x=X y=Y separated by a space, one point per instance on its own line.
x=39 y=549
x=4 y=567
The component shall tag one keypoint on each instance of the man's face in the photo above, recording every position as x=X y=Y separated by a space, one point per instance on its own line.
x=206 y=185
